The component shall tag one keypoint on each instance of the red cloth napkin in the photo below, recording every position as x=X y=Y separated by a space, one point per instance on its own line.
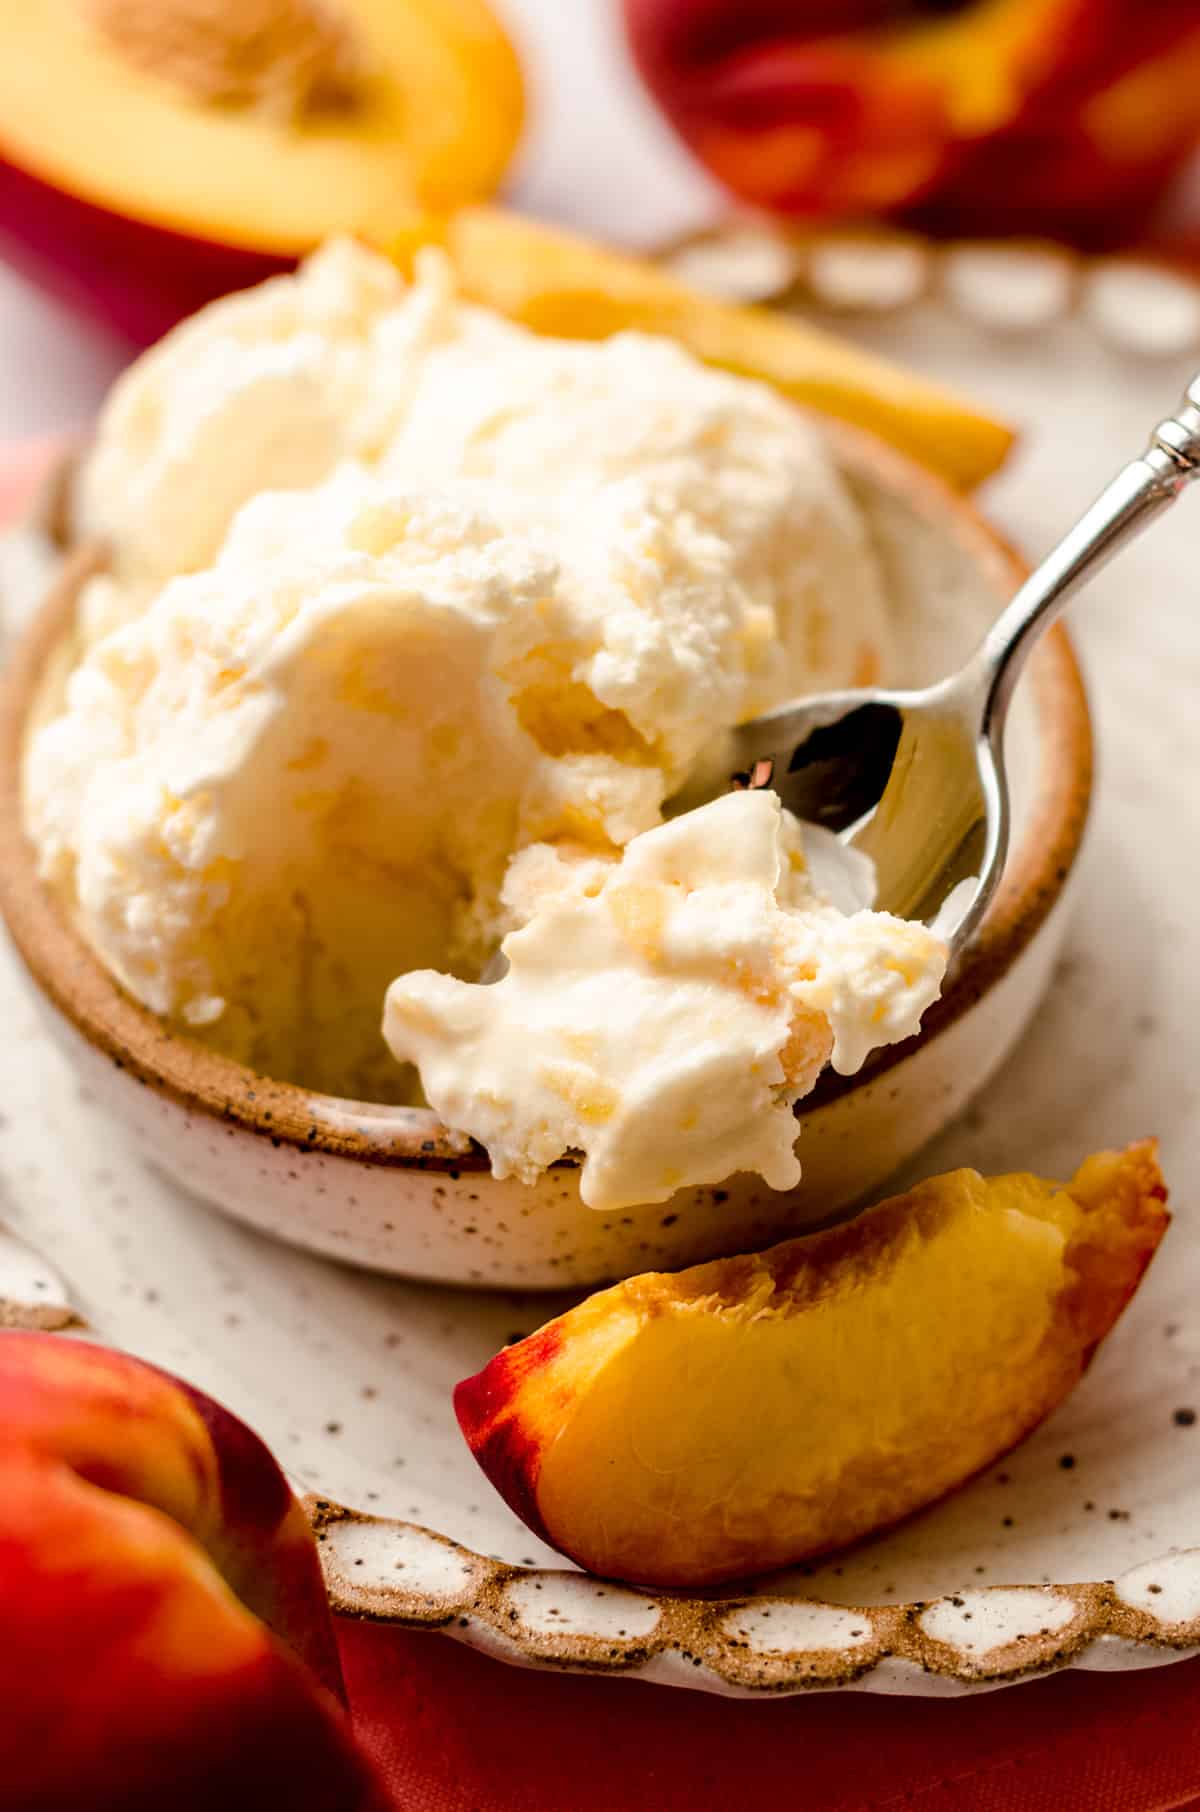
x=455 y=1732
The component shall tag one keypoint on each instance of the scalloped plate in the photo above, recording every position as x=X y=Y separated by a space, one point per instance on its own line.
x=1075 y=1551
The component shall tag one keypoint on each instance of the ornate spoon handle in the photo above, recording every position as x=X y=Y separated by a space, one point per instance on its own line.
x=1134 y=499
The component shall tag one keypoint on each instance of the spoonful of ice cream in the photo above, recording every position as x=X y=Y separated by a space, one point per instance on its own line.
x=916 y=780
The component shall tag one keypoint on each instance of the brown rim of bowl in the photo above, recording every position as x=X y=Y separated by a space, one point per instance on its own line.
x=74 y=979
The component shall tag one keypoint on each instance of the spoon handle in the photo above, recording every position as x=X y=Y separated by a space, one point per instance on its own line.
x=1134 y=499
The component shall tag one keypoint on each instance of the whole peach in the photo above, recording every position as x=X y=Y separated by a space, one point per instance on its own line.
x=167 y=1636
x=982 y=116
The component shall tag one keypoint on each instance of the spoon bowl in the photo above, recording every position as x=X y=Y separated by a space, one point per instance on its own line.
x=916 y=780
x=903 y=777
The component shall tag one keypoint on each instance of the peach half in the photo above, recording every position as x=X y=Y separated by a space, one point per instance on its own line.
x=154 y=155
x=747 y=1414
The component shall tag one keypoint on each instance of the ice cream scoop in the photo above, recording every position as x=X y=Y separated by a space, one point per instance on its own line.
x=663 y=1012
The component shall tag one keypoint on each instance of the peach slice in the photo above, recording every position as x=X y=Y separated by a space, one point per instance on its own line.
x=556 y=283
x=750 y=1413
x=168 y=1641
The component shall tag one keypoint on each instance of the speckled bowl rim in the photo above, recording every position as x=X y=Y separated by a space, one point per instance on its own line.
x=201 y=1080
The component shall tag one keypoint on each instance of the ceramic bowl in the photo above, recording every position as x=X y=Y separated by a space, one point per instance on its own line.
x=395 y=1190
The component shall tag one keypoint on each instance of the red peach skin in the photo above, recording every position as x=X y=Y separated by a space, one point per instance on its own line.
x=1067 y=117
x=168 y=1644
x=135 y=278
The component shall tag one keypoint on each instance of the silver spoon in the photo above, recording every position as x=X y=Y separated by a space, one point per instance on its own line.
x=916 y=780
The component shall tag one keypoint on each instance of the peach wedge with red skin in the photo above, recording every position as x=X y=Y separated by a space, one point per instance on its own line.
x=559 y=284
x=747 y=1414
x=168 y=1640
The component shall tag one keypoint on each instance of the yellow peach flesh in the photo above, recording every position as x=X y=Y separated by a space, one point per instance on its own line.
x=750 y=1413
x=436 y=122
